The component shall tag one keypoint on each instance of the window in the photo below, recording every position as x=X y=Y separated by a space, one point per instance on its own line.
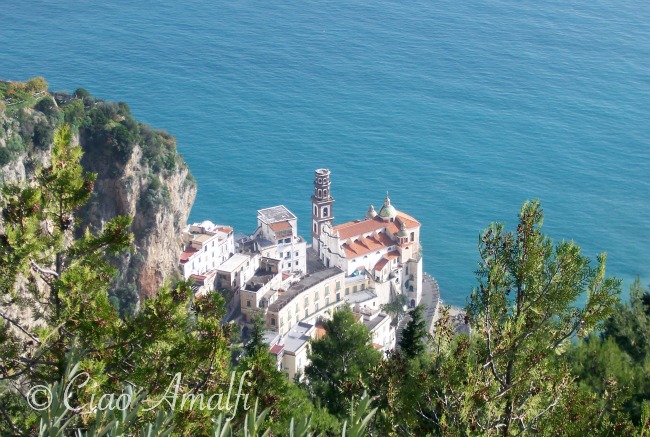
x=306 y=312
x=287 y=240
x=354 y=289
x=327 y=290
x=363 y=287
x=338 y=285
x=306 y=301
x=315 y=210
x=325 y=211
x=297 y=254
x=327 y=300
x=325 y=193
x=295 y=263
x=272 y=321
x=315 y=229
x=320 y=193
x=347 y=290
x=248 y=303
x=412 y=236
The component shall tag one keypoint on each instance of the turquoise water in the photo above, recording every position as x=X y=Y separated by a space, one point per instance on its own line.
x=461 y=110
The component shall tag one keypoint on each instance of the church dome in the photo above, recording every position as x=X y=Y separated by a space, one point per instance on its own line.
x=387 y=211
x=371 y=213
x=403 y=233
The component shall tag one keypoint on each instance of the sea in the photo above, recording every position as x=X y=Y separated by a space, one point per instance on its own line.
x=460 y=110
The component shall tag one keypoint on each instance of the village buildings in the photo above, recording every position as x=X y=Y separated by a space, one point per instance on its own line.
x=273 y=273
x=381 y=252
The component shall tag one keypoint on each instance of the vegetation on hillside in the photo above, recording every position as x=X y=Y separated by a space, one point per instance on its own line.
x=108 y=134
x=535 y=362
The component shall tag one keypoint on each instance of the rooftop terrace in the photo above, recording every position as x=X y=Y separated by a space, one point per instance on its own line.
x=297 y=337
x=275 y=214
x=306 y=283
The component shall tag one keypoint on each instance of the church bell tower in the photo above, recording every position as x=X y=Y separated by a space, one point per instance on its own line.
x=322 y=202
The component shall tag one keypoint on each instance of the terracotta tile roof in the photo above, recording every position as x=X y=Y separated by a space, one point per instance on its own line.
x=225 y=229
x=280 y=226
x=197 y=277
x=377 y=346
x=381 y=264
x=366 y=245
x=285 y=276
x=187 y=254
x=359 y=227
x=276 y=349
x=392 y=255
x=409 y=221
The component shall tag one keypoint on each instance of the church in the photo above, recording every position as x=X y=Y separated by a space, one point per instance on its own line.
x=381 y=252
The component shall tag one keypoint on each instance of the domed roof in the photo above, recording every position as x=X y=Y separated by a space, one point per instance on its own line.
x=387 y=211
x=371 y=213
x=403 y=233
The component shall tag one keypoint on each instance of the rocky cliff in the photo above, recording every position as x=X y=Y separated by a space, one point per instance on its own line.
x=139 y=174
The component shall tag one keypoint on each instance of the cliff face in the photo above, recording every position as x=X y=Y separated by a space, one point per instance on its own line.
x=159 y=203
x=139 y=174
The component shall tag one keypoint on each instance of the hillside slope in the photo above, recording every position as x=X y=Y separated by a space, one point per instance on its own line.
x=139 y=174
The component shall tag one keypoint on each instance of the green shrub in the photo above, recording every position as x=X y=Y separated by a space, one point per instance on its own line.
x=47 y=106
x=15 y=145
x=43 y=136
x=74 y=113
x=26 y=123
x=36 y=85
x=5 y=156
x=82 y=93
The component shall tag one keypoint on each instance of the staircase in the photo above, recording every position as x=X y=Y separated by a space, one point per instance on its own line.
x=400 y=328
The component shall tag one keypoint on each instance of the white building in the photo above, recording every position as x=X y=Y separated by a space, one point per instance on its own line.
x=381 y=252
x=234 y=273
x=292 y=348
x=383 y=335
x=316 y=295
x=207 y=246
x=277 y=237
x=261 y=289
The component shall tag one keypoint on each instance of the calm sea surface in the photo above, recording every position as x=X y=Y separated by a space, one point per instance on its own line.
x=461 y=110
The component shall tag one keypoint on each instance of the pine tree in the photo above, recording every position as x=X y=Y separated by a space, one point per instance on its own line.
x=53 y=287
x=415 y=334
x=340 y=361
x=505 y=378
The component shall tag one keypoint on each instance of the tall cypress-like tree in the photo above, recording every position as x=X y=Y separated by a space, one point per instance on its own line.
x=413 y=342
